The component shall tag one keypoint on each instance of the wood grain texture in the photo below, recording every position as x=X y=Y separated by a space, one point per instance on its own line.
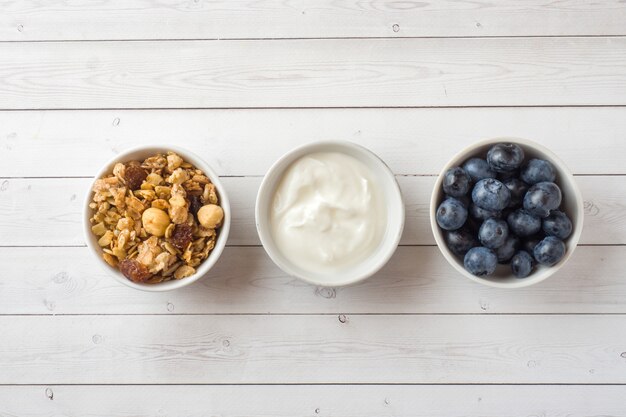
x=590 y=140
x=245 y=281
x=182 y=19
x=48 y=211
x=314 y=73
x=451 y=68
x=306 y=401
x=312 y=349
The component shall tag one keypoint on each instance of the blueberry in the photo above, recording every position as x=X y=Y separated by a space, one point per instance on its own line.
x=493 y=233
x=522 y=264
x=518 y=189
x=491 y=194
x=480 y=261
x=557 y=224
x=529 y=243
x=549 y=251
x=482 y=214
x=478 y=169
x=538 y=170
x=508 y=249
x=451 y=214
x=461 y=240
x=542 y=198
x=505 y=157
x=522 y=223
x=456 y=182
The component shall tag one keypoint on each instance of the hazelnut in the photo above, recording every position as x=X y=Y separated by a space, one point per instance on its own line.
x=210 y=216
x=155 y=221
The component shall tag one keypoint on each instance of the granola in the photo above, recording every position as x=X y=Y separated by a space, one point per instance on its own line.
x=156 y=219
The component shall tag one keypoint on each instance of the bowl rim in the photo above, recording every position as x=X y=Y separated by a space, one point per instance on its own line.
x=573 y=240
x=220 y=242
x=385 y=251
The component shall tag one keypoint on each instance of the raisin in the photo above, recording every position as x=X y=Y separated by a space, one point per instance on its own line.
x=134 y=176
x=134 y=270
x=182 y=236
x=195 y=202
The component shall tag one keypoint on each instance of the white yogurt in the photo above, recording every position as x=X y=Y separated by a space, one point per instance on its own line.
x=328 y=212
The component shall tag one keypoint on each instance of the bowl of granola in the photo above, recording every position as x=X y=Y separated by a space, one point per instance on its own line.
x=157 y=218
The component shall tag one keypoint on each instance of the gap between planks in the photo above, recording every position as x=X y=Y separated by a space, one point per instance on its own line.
x=318 y=384
x=346 y=314
x=317 y=38
x=481 y=106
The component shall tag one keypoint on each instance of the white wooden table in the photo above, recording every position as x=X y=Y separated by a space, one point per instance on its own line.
x=241 y=82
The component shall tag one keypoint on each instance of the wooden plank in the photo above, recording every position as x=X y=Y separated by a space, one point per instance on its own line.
x=48 y=211
x=336 y=400
x=179 y=19
x=314 y=73
x=312 y=349
x=245 y=281
x=590 y=140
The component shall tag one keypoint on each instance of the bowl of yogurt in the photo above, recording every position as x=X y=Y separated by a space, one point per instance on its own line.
x=330 y=213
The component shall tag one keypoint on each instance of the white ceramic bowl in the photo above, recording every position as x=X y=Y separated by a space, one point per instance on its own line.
x=572 y=205
x=141 y=153
x=392 y=198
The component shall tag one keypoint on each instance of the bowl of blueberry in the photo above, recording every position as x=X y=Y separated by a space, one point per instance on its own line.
x=506 y=212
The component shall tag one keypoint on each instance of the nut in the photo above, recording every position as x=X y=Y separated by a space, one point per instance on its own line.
x=155 y=221
x=210 y=216
x=145 y=218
